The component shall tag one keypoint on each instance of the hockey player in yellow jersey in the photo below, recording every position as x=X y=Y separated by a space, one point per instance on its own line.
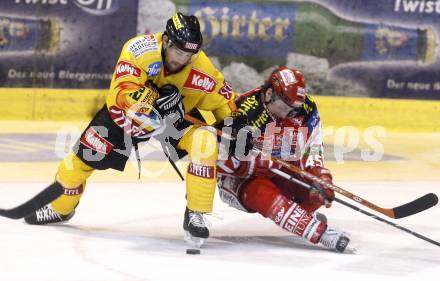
x=156 y=76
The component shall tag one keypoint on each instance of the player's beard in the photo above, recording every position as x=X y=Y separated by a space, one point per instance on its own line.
x=173 y=66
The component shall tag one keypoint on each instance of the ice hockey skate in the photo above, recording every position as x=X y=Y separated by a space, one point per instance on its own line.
x=195 y=228
x=336 y=240
x=47 y=215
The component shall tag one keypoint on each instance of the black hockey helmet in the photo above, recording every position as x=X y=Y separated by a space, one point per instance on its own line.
x=184 y=32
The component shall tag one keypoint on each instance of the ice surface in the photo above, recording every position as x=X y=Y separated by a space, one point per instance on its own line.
x=126 y=231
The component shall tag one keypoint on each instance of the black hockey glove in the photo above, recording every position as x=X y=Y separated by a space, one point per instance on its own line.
x=170 y=101
x=246 y=143
x=243 y=142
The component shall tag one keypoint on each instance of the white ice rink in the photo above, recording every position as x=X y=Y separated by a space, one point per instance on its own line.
x=129 y=231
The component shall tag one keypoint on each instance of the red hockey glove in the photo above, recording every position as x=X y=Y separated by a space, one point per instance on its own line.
x=257 y=166
x=262 y=166
x=316 y=196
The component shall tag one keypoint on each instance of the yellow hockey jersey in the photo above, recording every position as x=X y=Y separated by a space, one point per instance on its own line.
x=200 y=83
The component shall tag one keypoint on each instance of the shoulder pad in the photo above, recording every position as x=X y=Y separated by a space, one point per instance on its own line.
x=140 y=45
x=311 y=115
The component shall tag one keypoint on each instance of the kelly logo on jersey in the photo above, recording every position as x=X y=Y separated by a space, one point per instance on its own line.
x=124 y=68
x=200 y=81
x=154 y=68
x=94 y=141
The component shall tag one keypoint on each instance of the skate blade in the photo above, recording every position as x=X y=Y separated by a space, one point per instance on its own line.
x=347 y=251
x=350 y=250
x=194 y=241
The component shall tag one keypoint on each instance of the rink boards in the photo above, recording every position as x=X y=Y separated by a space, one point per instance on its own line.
x=80 y=105
x=35 y=157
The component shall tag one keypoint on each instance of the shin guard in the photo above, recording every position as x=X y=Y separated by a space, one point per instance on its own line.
x=72 y=175
x=265 y=198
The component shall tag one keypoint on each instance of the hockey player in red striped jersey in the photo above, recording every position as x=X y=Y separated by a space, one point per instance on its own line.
x=290 y=128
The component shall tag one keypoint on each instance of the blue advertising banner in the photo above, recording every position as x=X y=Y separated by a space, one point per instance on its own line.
x=235 y=30
x=404 y=79
x=63 y=43
x=383 y=48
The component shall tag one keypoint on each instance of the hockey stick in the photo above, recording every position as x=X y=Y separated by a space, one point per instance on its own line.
x=167 y=154
x=309 y=187
x=43 y=198
x=416 y=206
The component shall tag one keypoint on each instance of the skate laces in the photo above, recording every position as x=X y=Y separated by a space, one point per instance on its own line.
x=47 y=213
x=330 y=238
x=197 y=219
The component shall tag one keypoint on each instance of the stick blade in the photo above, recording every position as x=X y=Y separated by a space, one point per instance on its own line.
x=419 y=205
x=41 y=199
